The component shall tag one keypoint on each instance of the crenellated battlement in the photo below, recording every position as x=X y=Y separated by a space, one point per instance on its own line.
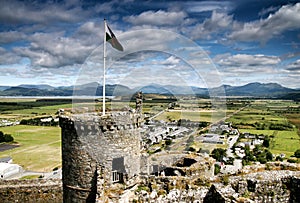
x=98 y=151
x=94 y=122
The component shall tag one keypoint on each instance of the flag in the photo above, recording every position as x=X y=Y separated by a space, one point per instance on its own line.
x=111 y=38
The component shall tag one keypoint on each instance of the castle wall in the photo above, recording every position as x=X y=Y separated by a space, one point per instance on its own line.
x=269 y=186
x=31 y=191
x=78 y=167
x=93 y=147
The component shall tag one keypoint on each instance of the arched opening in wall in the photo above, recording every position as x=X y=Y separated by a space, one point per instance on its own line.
x=160 y=170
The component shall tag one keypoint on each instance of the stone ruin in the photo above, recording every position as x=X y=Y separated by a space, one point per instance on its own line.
x=102 y=162
x=98 y=151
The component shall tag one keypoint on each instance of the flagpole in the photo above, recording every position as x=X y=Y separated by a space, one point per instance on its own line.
x=104 y=61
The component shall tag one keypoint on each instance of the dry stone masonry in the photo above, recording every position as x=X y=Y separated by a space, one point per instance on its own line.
x=98 y=151
x=31 y=191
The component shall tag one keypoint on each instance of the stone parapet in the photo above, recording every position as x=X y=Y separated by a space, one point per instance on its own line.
x=269 y=186
x=36 y=190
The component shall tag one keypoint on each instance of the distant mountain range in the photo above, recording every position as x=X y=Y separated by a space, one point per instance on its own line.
x=259 y=90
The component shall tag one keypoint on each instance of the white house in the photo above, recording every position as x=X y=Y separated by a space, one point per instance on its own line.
x=6 y=160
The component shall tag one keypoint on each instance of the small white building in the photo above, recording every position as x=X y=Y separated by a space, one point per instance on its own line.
x=7 y=170
x=6 y=160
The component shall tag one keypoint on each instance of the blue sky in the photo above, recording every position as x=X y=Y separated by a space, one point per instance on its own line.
x=51 y=42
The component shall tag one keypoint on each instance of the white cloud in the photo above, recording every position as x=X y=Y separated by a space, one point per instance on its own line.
x=243 y=68
x=294 y=67
x=198 y=6
x=11 y=36
x=172 y=60
x=89 y=33
x=16 y=12
x=268 y=10
x=286 y=18
x=157 y=18
x=242 y=60
x=7 y=57
x=7 y=71
x=218 y=22
x=54 y=50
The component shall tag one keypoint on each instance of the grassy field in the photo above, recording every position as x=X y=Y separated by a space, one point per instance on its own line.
x=295 y=120
x=23 y=108
x=40 y=147
x=190 y=115
x=263 y=115
x=286 y=142
x=33 y=112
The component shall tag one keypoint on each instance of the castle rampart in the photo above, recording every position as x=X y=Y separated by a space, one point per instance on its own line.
x=98 y=151
x=31 y=191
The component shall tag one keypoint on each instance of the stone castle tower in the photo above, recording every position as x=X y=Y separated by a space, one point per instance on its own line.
x=98 y=151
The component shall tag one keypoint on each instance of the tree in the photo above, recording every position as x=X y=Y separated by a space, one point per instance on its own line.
x=5 y=137
x=8 y=138
x=262 y=159
x=266 y=142
x=279 y=158
x=297 y=153
x=218 y=154
x=1 y=136
x=248 y=156
x=269 y=155
x=217 y=169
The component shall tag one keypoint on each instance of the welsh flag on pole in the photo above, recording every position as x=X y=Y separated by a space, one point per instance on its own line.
x=111 y=38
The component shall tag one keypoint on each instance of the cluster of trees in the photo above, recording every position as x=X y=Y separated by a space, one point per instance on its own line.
x=189 y=123
x=272 y=126
x=259 y=153
x=265 y=125
x=281 y=126
x=5 y=137
x=297 y=153
x=218 y=154
x=8 y=106
x=38 y=122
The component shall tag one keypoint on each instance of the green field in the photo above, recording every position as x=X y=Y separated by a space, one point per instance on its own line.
x=40 y=147
x=286 y=142
x=277 y=118
x=190 y=115
x=20 y=108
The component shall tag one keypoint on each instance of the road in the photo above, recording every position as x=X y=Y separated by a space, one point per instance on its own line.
x=231 y=141
x=49 y=175
x=157 y=114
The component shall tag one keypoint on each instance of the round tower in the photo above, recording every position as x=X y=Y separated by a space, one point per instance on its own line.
x=98 y=151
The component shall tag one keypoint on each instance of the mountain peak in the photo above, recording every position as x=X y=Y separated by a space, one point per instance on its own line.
x=255 y=89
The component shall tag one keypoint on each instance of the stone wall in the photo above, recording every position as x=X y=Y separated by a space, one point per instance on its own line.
x=37 y=190
x=262 y=187
x=92 y=147
x=78 y=167
x=269 y=186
